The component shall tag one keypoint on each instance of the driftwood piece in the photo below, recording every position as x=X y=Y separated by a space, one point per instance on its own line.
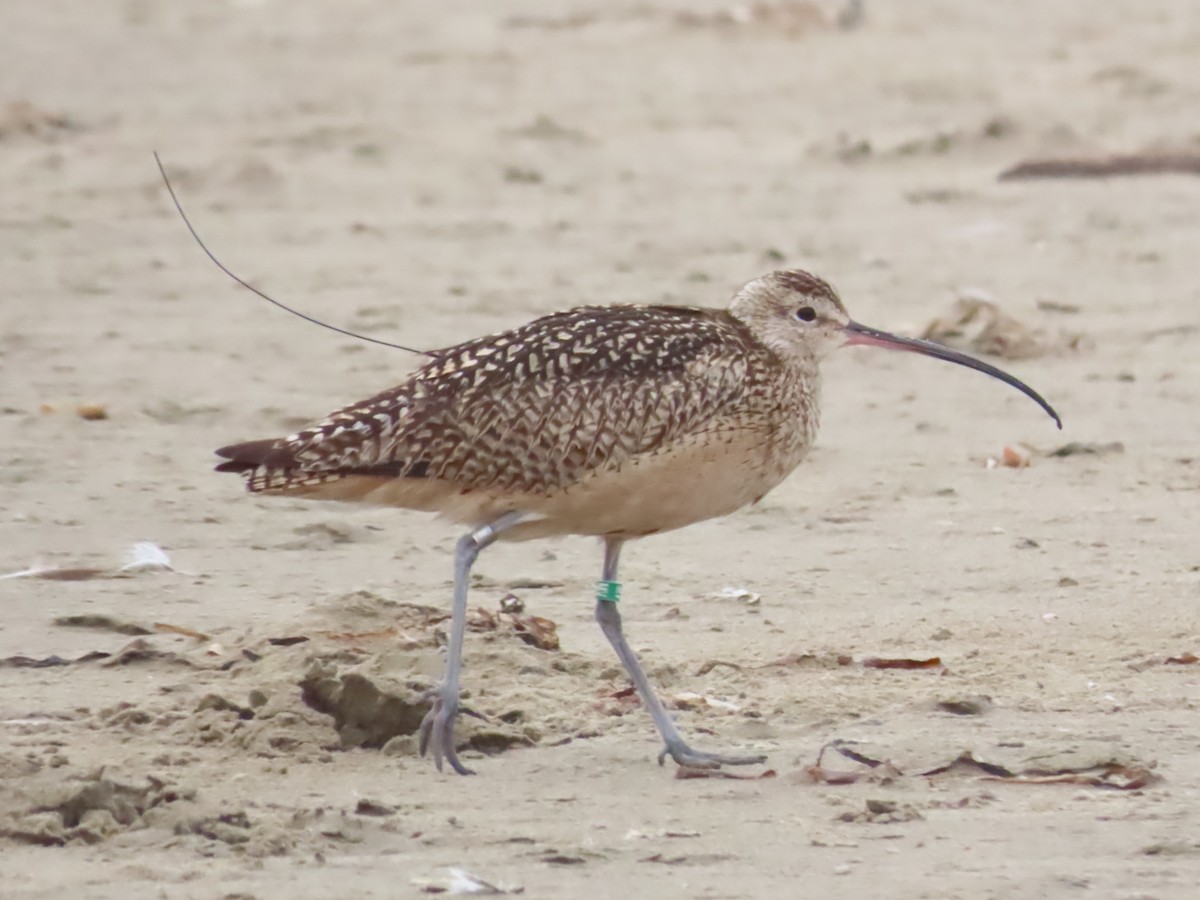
x=1105 y=166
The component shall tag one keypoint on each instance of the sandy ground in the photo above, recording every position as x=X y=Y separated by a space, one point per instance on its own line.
x=428 y=176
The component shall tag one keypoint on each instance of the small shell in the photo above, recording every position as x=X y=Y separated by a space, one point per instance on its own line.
x=1015 y=457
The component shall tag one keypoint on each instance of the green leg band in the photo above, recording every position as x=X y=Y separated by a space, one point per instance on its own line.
x=608 y=591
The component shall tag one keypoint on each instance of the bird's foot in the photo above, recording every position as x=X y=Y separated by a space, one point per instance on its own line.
x=436 y=733
x=699 y=759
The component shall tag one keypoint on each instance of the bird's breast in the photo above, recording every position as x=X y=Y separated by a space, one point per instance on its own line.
x=712 y=473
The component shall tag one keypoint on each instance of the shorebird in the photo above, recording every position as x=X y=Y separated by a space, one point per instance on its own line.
x=618 y=422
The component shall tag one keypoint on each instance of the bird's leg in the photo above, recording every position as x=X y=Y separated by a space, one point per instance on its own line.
x=437 y=728
x=609 y=618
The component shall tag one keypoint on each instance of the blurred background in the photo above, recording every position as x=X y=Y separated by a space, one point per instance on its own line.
x=428 y=172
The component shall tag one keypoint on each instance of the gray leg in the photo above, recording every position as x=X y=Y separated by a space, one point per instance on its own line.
x=437 y=728
x=676 y=747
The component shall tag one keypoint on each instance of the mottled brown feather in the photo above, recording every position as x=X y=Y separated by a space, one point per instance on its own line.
x=619 y=420
x=532 y=409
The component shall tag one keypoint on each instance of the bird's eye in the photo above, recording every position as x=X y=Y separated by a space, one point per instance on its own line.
x=806 y=314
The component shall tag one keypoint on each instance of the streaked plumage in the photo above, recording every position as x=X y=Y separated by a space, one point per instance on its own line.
x=583 y=418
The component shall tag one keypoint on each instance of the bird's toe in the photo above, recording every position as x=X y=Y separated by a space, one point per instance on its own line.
x=685 y=756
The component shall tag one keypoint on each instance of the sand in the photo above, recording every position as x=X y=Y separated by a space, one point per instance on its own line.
x=424 y=173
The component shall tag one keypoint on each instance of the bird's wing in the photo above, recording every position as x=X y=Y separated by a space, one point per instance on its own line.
x=532 y=409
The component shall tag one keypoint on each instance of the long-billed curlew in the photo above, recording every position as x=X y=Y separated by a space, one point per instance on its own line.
x=619 y=422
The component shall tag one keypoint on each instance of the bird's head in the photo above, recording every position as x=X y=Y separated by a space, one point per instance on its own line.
x=796 y=314
x=801 y=317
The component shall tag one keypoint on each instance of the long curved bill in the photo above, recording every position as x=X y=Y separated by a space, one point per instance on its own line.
x=871 y=337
